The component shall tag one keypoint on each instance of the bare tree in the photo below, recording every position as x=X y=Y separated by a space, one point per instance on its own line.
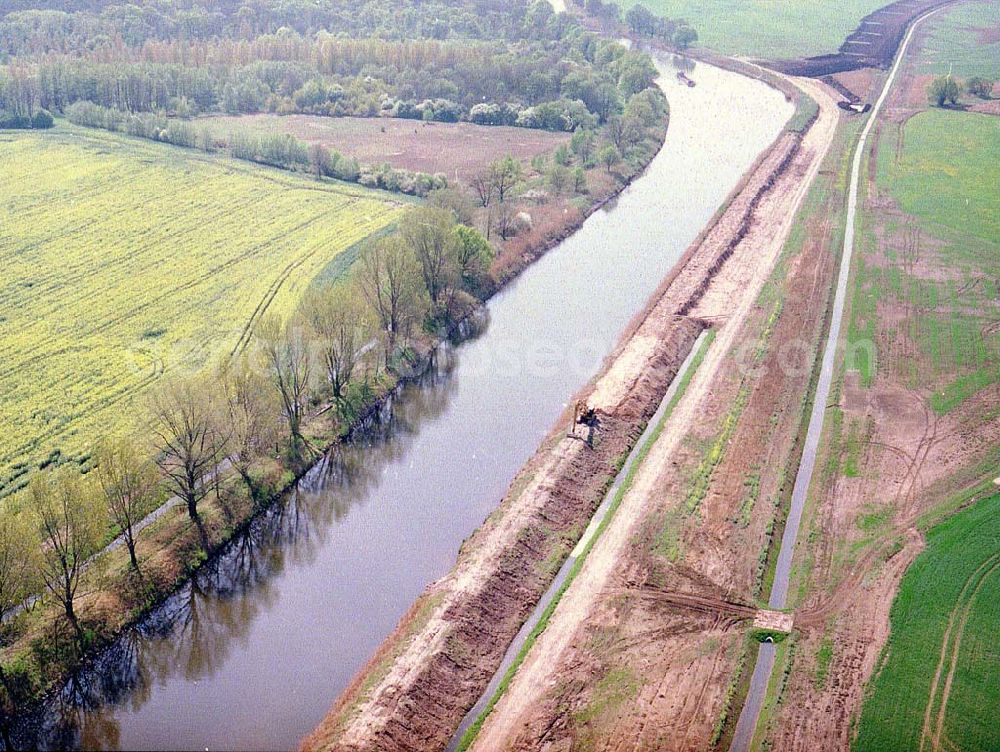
x=128 y=483
x=69 y=514
x=186 y=437
x=289 y=365
x=427 y=231
x=337 y=316
x=389 y=278
x=251 y=412
x=506 y=219
x=482 y=184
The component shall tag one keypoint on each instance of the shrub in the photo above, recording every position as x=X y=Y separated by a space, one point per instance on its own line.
x=42 y=120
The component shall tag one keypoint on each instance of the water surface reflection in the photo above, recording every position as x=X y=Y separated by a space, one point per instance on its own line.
x=252 y=654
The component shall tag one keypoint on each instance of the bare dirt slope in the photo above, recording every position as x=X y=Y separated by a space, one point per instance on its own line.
x=414 y=692
x=637 y=655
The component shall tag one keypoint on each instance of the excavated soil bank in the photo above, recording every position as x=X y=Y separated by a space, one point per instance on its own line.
x=414 y=692
x=872 y=44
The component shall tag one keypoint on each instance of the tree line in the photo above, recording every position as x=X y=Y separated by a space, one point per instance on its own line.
x=38 y=26
x=309 y=376
x=545 y=71
x=277 y=149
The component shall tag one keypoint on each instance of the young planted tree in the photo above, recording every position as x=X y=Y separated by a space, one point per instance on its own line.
x=187 y=438
x=70 y=516
x=389 y=278
x=128 y=483
x=289 y=364
x=337 y=316
x=427 y=231
x=252 y=415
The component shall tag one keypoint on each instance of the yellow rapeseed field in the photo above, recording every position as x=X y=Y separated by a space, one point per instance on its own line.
x=122 y=259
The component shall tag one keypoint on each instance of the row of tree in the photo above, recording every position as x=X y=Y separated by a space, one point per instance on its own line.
x=547 y=74
x=641 y=20
x=275 y=149
x=254 y=405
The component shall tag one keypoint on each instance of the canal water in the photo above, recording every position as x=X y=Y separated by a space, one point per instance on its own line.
x=252 y=653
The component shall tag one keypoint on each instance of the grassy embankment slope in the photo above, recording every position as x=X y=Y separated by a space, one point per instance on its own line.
x=125 y=259
x=764 y=28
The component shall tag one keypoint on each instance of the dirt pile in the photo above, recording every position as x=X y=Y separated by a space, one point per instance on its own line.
x=872 y=44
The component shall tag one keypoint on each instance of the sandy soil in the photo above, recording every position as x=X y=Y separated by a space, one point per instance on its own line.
x=456 y=149
x=624 y=612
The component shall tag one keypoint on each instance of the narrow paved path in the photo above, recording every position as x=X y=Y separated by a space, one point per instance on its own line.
x=779 y=592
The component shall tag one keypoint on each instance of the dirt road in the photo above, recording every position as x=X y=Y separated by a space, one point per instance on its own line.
x=729 y=301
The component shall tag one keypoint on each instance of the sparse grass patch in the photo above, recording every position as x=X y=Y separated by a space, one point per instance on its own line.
x=824 y=656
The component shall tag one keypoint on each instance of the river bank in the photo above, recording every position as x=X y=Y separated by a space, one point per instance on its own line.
x=656 y=618
x=172 y=549
x=416 y=689
x=348 y=553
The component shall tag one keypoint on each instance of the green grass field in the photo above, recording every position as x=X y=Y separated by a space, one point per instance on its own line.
x=959 y=40
x=944 y=175
x=123 y=259
x=948 y=171
x=767 y=28
x=939 y=677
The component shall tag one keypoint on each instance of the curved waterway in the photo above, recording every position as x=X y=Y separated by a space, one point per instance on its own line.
x=253 y=652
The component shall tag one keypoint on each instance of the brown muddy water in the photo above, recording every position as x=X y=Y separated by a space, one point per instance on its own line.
x=253 y=652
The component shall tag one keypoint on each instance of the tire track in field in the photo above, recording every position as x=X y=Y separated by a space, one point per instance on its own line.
x=80 y=271
x=963 y=601
x=956 y=650
x=169 y=292
x=275 y=287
